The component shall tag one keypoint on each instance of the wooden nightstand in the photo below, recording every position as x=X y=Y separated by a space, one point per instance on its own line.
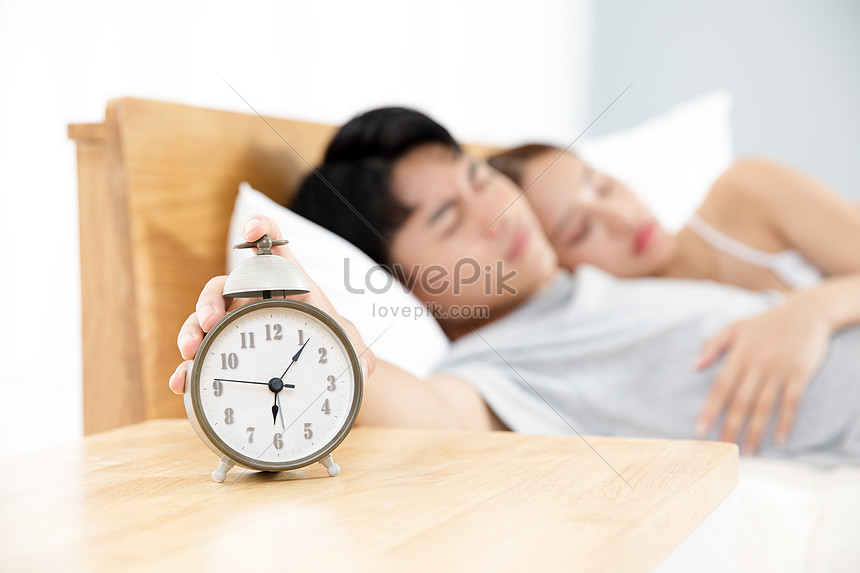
x=140 y=498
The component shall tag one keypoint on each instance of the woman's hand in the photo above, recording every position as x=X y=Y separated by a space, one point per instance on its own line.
x=770 y=356
x=212 y=306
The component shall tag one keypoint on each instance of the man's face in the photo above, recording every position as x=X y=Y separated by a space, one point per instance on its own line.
x=466 y=226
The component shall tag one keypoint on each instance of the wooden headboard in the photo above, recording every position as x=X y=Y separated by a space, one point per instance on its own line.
x=157 y=182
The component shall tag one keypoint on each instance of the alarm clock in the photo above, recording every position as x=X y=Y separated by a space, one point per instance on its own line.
x=276 y=384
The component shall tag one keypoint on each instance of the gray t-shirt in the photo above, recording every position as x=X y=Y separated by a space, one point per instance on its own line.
x=607 y=356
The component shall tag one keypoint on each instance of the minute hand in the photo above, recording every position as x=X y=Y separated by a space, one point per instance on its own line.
x=295 y=358
x=251 y=382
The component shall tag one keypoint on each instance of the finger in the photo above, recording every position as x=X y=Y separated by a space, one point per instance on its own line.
x=715 y=347
x=721 y=392
x=365 y=369
x=211 y=305
x=761 y=414
x=788 y=410
x=746 y=393
x=235 y=303
x=190 y=336
x=368 y=362
x=255 y=227
x=177 y=379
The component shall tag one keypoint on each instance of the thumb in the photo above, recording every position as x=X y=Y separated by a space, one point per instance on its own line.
x=715 y=347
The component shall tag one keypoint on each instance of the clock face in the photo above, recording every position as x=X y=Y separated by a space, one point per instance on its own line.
x=276 y=385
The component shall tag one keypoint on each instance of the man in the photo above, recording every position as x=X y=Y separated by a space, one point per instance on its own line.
x=557 y=351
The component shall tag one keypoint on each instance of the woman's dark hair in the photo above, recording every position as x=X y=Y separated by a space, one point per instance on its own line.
x=349 y=194
x=513 y=161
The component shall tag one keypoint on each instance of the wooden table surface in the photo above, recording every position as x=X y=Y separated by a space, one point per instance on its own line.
x=141 y=498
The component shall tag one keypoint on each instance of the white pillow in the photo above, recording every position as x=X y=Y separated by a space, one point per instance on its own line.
x=414 y=341
x=672 y=160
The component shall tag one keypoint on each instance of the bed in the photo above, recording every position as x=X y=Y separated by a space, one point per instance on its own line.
x=157 y=185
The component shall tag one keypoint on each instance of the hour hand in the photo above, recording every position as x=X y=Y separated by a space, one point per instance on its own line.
x=275 y=409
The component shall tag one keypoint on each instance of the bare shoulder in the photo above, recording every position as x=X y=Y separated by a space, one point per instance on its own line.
x=749 y=182
x=772 y=206
x=741 y=202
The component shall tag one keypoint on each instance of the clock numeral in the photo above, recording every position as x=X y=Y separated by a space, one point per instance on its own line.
x=276 y=328
x=217 y=388
x=278 y=442
x=308 y=432
x=332 y=386
x=250 y=431
x=325 y=409
x=250 y=339
x=228 y=416
x=301 y=337
x=230 y=360
x=323 y=359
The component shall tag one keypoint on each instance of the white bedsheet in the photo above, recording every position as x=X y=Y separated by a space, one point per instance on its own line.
x=792 y=517
x=784 y=517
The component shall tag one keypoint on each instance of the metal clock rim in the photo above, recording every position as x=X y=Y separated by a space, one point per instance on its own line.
x=221 y=447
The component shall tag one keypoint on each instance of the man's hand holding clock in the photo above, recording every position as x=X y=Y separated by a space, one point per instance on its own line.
x=235 y=354
x=212 y=306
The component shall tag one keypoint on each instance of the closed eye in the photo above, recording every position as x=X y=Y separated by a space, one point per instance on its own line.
x=455 y=221
x=563 y=222
x=447 y=218
x=441 y=211
x=582 y=232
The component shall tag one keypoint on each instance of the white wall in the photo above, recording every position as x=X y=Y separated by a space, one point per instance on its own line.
x=792 y=65
x=491 y=71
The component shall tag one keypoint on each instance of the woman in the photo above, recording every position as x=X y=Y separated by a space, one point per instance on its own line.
x=762 y=226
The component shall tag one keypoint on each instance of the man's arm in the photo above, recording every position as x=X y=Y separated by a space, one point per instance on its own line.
x=392 y=397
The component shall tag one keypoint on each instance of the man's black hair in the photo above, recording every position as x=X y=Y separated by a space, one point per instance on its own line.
x=358 y=164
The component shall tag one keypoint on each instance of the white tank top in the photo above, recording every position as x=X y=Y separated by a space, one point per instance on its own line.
x=789 y=265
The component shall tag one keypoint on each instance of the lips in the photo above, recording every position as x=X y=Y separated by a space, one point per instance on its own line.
x=643 y=237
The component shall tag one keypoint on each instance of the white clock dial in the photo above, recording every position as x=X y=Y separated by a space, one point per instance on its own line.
x=266 y=408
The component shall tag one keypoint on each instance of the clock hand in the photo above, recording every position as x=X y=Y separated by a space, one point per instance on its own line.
x=280 y=410
x=250 y=382
x=295 y=358
x=275 y=409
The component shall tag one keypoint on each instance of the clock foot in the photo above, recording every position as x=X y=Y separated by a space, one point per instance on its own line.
x=333 y=468
x=220 y=474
